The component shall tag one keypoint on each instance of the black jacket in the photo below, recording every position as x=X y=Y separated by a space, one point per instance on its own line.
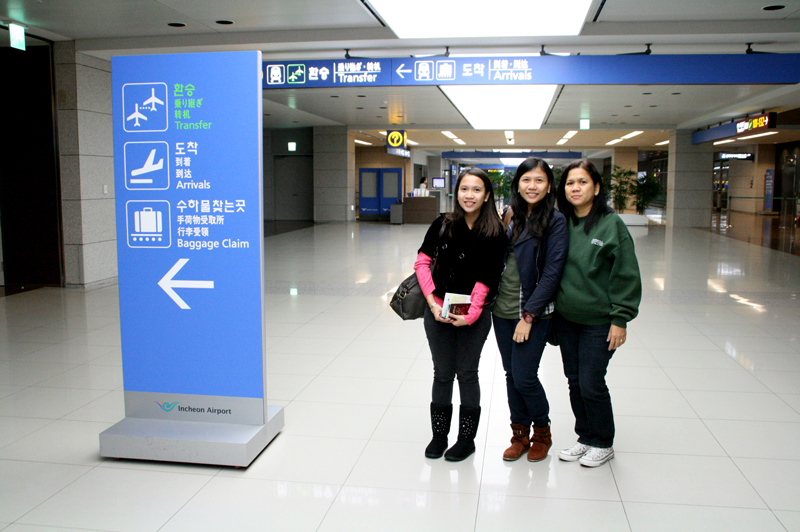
x=540 y=268
x=464 y=258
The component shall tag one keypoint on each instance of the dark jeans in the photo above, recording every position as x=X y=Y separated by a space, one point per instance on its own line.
x=526 y=397
x=456 y=351
x=584 y=351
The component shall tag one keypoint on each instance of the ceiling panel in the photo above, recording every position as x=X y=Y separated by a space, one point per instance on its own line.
x=694 y=10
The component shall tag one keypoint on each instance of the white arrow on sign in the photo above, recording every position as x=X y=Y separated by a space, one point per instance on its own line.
x=400 y=71
x=167 y=284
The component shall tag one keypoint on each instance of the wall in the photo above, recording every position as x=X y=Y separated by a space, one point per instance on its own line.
x=376 y=157
x=334 y=174
x=83 y=94
x=747 y=178
x=689 y=181
x=276 y=145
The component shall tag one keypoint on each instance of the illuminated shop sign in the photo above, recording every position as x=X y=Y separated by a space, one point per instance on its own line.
x=765 y=121
x=737 y=156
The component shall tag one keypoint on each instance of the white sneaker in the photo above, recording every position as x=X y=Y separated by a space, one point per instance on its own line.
x=596 y=456
x=573 y=453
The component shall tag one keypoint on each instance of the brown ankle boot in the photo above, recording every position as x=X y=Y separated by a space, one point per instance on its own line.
x=540 y=444
x=520 y=442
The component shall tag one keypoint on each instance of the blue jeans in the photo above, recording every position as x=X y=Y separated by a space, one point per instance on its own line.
x=584 y=351
x=456 y=352
x=527 y=400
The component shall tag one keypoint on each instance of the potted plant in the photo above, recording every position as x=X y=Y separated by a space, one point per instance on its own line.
x=623 y=187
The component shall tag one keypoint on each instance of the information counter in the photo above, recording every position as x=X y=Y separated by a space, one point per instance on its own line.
x=420 y=210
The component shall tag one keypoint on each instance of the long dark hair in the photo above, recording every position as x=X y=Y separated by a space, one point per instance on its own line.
x=539 y=218
x=488 y=222
x=599 y=205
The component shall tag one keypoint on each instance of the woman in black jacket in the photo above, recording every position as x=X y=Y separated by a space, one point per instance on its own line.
x=470 y=250
x=539 y=241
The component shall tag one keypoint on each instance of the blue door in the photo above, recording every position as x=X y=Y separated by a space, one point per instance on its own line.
x=378 y=190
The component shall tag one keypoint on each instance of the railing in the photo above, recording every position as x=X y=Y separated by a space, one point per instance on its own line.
x=787 y=212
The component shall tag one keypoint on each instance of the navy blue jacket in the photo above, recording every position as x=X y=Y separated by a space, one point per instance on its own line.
x=540 y=268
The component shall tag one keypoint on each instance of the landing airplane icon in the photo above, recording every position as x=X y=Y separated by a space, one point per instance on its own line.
x=152 y=101
x=137 y=115
x=147 y=168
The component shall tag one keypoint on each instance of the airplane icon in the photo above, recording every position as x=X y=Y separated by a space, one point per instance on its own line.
x=152 y=101
x=147 y=168
x=137 y=115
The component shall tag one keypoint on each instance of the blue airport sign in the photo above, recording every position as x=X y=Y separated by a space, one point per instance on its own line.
x=515 y=70
x=187 y=162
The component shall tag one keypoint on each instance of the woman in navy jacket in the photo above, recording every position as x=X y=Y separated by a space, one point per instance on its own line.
x=539 y=240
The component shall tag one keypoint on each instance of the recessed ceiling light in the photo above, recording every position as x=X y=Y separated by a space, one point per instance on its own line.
x=362 y=142
x=552 y=18
x=225 y=22
x=562 y=141
x=570 y=134
x=584 y=123
x=459 y=141
x=724 y=141
x=662 y=143
x=362 y=95
x=628 y=106
x=497 y=106
x=676 y=93
x=759 y=135
x=411 y=142
x=359 y=108
x=509 y=141
x=383 y=107
x=774 y=7
x=646 y=93
x=653 y=106
x=448 y=134
x=632 y=134
x=382 y=133
x=177 y=25
x=613 y=142
x=509 y=134
x=334 y=96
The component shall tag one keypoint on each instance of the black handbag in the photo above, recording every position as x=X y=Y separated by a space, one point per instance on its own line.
x=408 y=301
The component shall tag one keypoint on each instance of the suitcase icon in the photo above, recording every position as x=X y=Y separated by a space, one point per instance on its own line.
x=147 y=221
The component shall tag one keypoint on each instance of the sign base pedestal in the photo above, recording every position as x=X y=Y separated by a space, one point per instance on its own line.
x=223 y=444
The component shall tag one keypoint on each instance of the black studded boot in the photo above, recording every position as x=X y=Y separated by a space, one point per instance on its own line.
x=440 y=424
x=467 y=429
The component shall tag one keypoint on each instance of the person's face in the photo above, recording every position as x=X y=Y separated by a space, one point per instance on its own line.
x=472 y=194
x=580 y=189
x=534 y=186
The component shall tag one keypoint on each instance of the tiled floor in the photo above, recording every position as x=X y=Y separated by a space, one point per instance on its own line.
x=706 y=395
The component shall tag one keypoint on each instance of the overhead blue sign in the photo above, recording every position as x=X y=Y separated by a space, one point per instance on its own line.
x=515 y=70
x=187 y=161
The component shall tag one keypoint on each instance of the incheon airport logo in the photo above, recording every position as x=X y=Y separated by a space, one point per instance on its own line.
x=167 y=407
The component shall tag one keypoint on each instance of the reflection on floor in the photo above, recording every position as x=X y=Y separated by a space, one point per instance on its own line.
x=706 y=396
x=272 y=228
x=779 y=232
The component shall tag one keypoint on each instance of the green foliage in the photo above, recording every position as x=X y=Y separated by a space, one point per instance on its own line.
x=648 y=188
x=623 y=186
x=501 y=181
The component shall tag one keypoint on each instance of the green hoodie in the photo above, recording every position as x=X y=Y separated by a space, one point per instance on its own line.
x=601 y=281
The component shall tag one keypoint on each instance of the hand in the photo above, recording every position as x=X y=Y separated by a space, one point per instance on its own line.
x=522 y=332
x=616 y=337
x=457 y=320
x=437 y=314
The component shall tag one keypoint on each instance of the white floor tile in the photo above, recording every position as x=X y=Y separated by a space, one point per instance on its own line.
x=254 y=505
x=114 y=499
x=638 y=377
x=402 y=465
x=664 y=436
x=314 y=459
x=656 y=403
x=670 y=358
x=776 y=481
x=718 y=380
x=791 y=399
x=87 y=376
x=51 y=403
x=644 y=517
x=361 y=509
x=689 y=480
x=350 y=390
x=25 y=485
x=332 y=420
x=77 y=443
x=297 y=364
x=368 y=367
x=505 y=512
x=13 y=429
x=755 y=439
x=779 y=381
x=790 y=520
x=742 y=406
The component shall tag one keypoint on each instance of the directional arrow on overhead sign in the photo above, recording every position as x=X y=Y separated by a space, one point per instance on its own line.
x=167 y=284
x=400 y=70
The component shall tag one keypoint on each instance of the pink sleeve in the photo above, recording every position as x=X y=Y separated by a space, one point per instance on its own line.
x=423 y=269
x=477 y=298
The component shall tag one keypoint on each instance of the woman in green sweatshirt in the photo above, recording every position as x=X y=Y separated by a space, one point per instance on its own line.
x=599 y=294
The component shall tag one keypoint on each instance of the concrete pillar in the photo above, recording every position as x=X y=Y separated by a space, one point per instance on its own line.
x=83 y=99
x=334 y=174
x=689 y=181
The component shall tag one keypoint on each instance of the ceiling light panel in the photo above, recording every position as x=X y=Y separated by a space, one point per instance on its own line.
x=570 y=134
x=504 y=107
x=448 y=134
x=632 y=134
x=615 y=141
x=565 y=17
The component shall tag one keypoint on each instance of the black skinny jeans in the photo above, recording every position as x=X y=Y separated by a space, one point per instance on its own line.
x=456 y=352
